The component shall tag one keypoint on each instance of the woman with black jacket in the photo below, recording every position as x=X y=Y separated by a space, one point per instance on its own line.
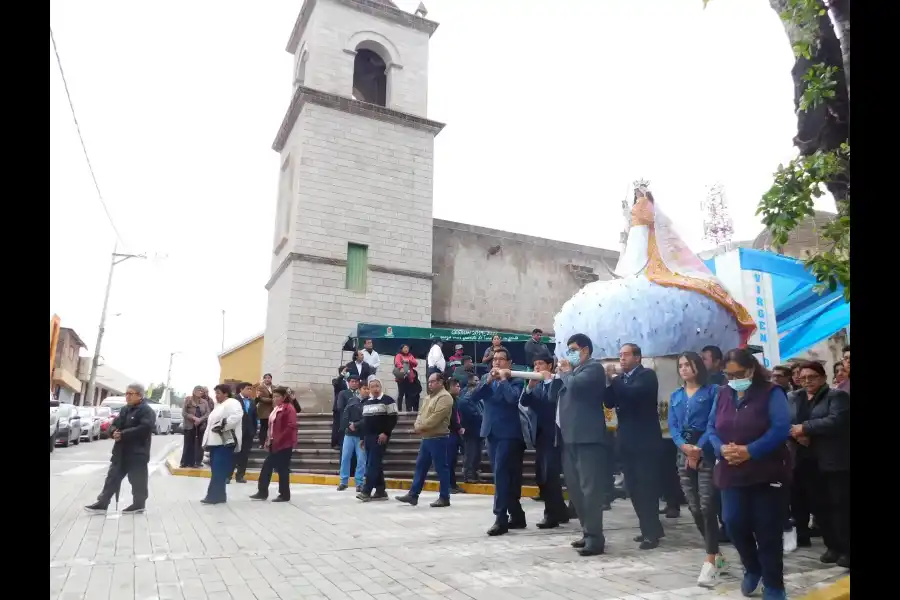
x=820 y=433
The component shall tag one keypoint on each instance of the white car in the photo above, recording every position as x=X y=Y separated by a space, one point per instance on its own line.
x=90 y=423
x=163 y=419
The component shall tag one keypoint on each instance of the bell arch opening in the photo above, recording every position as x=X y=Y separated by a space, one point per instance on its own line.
x=370 y=76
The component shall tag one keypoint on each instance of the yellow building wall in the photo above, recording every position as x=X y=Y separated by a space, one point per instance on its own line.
x=244 y=364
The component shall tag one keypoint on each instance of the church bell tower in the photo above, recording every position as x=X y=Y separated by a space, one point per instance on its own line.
x=353 y=227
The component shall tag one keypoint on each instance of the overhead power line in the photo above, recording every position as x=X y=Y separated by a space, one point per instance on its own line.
x=81 y=139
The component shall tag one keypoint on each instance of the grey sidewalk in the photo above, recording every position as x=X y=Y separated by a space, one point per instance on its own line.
x=326 y=544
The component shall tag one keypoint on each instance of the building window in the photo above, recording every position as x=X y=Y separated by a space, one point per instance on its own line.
x=285 y=204
x=370 y=77
x=357 y=267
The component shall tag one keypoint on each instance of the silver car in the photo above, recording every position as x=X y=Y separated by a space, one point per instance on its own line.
x=90 y=423
x=69 y=427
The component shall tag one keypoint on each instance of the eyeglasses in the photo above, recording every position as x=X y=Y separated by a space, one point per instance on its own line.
x=736 y=375
x=812 y=378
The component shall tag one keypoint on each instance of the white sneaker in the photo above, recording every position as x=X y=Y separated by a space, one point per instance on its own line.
x=708 y=575
x=789 y=540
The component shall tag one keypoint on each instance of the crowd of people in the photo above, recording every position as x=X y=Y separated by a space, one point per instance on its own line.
x=761 y=458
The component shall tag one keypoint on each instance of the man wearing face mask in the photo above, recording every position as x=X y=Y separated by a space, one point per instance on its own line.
x=582 y=425
x=634 y=396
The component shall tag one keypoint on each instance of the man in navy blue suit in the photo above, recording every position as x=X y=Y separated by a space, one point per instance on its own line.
x=506 y=446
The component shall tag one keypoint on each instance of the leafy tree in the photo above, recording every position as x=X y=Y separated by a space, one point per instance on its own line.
x=821 y=75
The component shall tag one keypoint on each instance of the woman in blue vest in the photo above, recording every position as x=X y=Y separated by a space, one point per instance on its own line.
x=748 y=428
x=689 y=410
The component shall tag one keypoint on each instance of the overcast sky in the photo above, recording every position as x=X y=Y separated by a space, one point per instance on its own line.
x=552 y=109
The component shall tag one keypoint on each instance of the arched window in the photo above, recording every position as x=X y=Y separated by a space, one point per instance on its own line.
x=369 y=77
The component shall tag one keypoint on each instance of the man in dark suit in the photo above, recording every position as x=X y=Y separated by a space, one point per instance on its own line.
x=634 y=396
x=248 y=432
x=586 y=444
x=540 y=397
x=506 y=446
x=360 y=367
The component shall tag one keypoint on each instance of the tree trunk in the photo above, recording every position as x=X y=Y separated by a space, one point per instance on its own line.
x=826 y=126
x=840 y=16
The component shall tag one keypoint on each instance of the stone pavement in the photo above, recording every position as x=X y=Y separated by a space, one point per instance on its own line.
x=325 y=544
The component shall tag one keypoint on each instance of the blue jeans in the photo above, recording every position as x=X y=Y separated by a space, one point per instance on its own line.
x=433 y=450
x=221 y=462
x=754 y=519
x=351 y=446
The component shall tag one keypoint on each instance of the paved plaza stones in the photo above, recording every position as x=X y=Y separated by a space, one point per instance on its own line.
x=325 y=544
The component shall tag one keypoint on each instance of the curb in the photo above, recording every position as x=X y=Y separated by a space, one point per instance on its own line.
x=839 y=590
x=485 y=489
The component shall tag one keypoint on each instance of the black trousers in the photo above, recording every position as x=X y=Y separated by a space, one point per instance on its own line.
x=549 y=458
x=280 y=462
x=670 y=481
x=336 y=438
x=263 y=431
x=403 y=386
x=474 y=448
x=642 y=476
x=241 y=458
x=826 y=497
x=374 y=465
x=412 y=402
x=135 y=468
x=191 y=453
x=452 y=457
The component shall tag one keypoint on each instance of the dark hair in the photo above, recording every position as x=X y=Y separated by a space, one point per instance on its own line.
x=813 y=366
x=224 y=388
x=795 y=367
x=696 y=363
x=353 y=376
x=281 y=391
x=783 y=369
x=440 y=376
x=242 y=385
x=267 y=375
x=503 y=350
x=537 y=330
x=846 y=349
x=454 y=381
x=402 y=346
x=583 y=341
x=466 y=357
x=714 y=351
x=835 y=367
x=496 y=335
x=745 y=359
x=542 y=356
x=368 y=340
x=635 y=349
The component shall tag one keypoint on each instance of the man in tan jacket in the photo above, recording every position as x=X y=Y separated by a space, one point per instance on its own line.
x=432 y=423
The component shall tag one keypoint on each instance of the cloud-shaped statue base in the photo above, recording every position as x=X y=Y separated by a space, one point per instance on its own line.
x=662 y=320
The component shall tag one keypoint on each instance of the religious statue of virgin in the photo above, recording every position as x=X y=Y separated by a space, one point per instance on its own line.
x=662 y=298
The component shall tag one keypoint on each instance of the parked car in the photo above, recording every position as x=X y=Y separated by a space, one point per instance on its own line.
x=90 y=423
x=177 y=420
x=105 y=416
x=54 y=426
x=163 y=419
x=69 y=430
x=114 y=404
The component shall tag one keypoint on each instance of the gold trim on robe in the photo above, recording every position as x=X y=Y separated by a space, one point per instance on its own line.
x=657 y=272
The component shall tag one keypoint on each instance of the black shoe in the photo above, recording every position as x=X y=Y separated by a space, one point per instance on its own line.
x=208 y=501
x=579 y=543
x=342 y=487
x=648 y=544
x=227 y=481
x=97 y=507
x=843 y=561
x=184 y=466
x=240 y=480
x=606 y=506
x=620 y=494
x=830 y=557
x=259 y=496
x=359 y=489
x=380 y=495
x=407 y=499
x=564 y=520
x=815 y=532
x=457 y=490
x=133 y=509
x=498 y=529
x=518 y=523
x=547 y=524
x=638 y=538
x=671 y=512
x=591 y=550
x=804 y=542
x=365 y=497
x=440 y=503
x=281 y=499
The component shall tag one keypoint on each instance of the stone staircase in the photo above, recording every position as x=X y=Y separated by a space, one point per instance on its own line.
x=314 y=454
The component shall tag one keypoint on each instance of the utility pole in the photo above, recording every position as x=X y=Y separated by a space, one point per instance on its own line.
x=169 y=377
x=92 y=382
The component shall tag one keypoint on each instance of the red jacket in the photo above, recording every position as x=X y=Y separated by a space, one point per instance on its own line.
x=398 y=364
x=284 y=430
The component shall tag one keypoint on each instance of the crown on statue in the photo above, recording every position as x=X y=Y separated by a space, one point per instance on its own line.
x=641 y=187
